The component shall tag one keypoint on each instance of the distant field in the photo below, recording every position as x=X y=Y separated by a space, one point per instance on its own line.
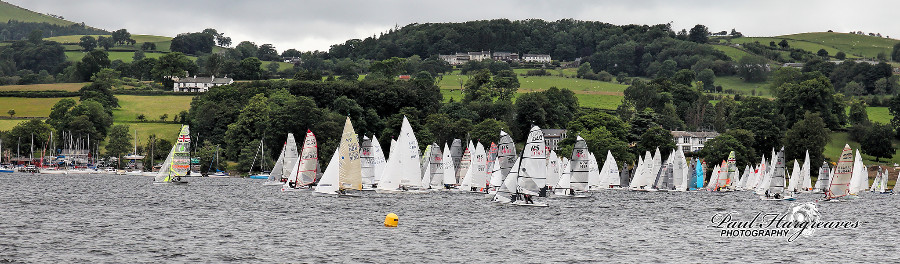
x=11 y=12
x=801 y=44
x=737 y=84
x=852 y=44
x=72 y=87
x=151 y=106
x=8 y=124
x=879 y=114
x=836 y=145
x=732 y=52
x=610 y=102
x=144 y=130
x=125 y=56
x=536 y=83
x=29 y=106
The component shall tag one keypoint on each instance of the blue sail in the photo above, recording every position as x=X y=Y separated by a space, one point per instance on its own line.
x=699 y=174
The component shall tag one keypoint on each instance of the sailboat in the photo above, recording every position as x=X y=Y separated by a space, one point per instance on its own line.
x=609 y=174
x=286 y=161
x=506 y=158
x=521 y=179
x=805 y=177
x=880 y=183
x=680 y=171
x=378 y=160
x=262 y=158
x=840 y=181
x=367 y=162
x=463 y=169
x=434 y=174
x=178 y=162
x=344 y=169
x=859 y=179
x=699 y=176
x=642 y=180
x=456 y=152
x=794 y=182
x=594 y=180
x=775 y=189
x=552 y=169
x=403 y=171
x=304 y=173
x=448 y=172
x=664 y=177
x=580 y=171
x=823 y=180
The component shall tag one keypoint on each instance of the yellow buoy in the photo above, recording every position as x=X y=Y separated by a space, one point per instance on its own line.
x=391 y=220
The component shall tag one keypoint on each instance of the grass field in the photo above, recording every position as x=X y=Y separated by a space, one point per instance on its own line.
x=28 y=106
x=836 y=145
x=125 y=56
x=8 y=124
x=151 y=106
x=732 y=52
x=801 y=44
x=144 y=130
x=12 y=12
x=737 y=84
x=878 y=114
x=71 y=87
x=590 y=93
x=852 y=44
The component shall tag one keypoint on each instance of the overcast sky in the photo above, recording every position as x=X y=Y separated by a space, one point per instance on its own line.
x=316 y=25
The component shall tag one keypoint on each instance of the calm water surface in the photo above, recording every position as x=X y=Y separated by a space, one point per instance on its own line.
x=116 y=219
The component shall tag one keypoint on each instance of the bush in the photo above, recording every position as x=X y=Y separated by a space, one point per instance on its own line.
x=539 y=72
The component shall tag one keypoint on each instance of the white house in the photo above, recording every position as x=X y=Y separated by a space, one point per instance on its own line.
x=692 y=141
x=552 y=137
x=542 y=58
x=479 y=56
x=199 y=84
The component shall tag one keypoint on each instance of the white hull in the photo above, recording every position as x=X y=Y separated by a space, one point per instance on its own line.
x=523 y=203
x=170 y=183
x=60 y=172
x=273 y=183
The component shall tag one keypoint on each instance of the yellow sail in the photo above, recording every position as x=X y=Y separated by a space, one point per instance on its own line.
x=350 y=174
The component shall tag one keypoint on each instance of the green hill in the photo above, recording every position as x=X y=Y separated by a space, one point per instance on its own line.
x=11 y=12
x=855 y=46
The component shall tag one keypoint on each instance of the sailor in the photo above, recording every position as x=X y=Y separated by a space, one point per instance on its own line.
x=528 y=199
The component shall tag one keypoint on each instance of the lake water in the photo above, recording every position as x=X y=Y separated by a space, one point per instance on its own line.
x=116 y=219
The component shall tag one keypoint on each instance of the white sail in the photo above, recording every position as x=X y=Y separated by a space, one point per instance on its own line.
x=378 y=160
x=456 y=152
x=609 y=174
x=840 y=180
x=776 y=184
x=408 y=149
x=805 y=178
x=594 y=180
x=580 y=165
x=534 y=163
x=507 y=154
x=794 y=182
x=679 y=170
x=166 y=168
x=859 y=179
x=330 y=181
x=655 y=166
x=425 y=168
x=449 y=172
x=479 y=163
x=823 y=180
x=877 y=181
x=509 y=186
x=468 y=157
x=391 y=178
x=436 y=168
x=287 y=160
x=565 y=180
x=306 y=170
x=367 y=161
x=552 y=168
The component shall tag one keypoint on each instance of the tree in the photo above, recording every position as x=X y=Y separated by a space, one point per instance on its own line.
x=488 y=131
x=121 y=36
x=267 y=52
x=141 y=117
x=163 y=117
x=138 y=55
x=685 y=77
x=753 y=68
x=11 y=112
x=894 y=109
x=193 y=43
x=505 y=84
x=247 y=49
x=119 y=141
x=88 y=43
x=895 y=55
x=105 y=43
x=699 y=34
x=813 y=95
x=174 y=64
x=251 y=123
x=250 y=69
x=36 y=36
x=784 y=44
x=148 y=46
x=707 y=78
x=877 y=142
x=840 y=55
x=808 y=134
x=718 y=148
x=858 y=114
x=584 y=69
x=91 y=63
x=655 y=137
x=25 y=130
x=822 y=53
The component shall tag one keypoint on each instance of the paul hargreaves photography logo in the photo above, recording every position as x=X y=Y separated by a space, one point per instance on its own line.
x=800 y=220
